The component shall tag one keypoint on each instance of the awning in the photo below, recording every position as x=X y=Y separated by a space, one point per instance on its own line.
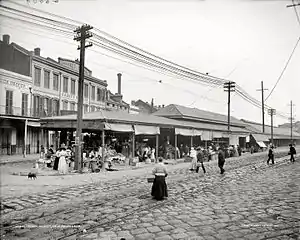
x=33 y=124
x=217 y=135
x=146 y=130
x=261 y=144
x=118 y=127
x=197 y=132
x=184 y=132
x=234 y=140
x=206 y=135
x=260 y=138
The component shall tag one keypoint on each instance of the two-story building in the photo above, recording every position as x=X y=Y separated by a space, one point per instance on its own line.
x=33 y=87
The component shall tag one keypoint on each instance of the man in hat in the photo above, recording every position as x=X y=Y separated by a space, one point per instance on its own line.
x=221 y=160
x=271 y=155
x=200 y=160
x=292 y=153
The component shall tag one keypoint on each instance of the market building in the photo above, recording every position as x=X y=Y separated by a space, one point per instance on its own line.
x=33 y=87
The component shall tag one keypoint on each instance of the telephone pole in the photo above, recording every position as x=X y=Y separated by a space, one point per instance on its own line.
x=272 y=112
x=263 y=105
x=229 y=87
x=82 y=35
x=291 y=118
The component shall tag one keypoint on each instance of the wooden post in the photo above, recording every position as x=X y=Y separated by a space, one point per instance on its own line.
x=175 y=146
x=133 y=145
x=192 y=142
x=156 y=147
x=103 y=145
x=25 y=138
x=42 y=143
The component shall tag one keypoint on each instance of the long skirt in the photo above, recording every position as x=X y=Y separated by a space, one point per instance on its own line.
x=159 y=188
x=193 y=164
x=63 y=166
x=56 y=161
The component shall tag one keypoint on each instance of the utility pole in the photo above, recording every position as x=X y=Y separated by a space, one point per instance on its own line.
x=82 y=35
x=291 y=118
x=272 y=112
x=263 y=105
x=229 y=87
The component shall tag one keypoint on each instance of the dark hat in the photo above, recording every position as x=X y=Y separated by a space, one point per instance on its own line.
x=198 y=148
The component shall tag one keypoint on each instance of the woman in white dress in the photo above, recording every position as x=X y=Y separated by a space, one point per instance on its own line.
x=62 y=165
x=193 y=155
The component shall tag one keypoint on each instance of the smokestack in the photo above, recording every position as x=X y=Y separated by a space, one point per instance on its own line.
x=6 y=39
x=37 y=51
x=119 y=83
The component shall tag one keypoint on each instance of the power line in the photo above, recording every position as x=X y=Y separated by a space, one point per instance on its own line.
x=282 y=72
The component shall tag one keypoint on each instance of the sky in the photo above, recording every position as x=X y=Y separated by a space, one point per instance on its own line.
x=245 y=41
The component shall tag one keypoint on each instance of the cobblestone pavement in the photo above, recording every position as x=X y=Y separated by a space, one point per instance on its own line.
x=251 y=201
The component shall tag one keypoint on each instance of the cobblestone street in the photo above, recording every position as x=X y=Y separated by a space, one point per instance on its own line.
x=250 y=201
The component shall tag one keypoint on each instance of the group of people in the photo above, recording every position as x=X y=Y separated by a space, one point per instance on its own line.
x=292 y=153
x=200 y=155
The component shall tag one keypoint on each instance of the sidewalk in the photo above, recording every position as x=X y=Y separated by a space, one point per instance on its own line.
x=10 y=159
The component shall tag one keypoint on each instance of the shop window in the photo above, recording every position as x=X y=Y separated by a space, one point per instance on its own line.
x=98 y=94
x=93 y=92
x=86 y=108
x=65 y=105
x=72 y=106
x=73 y=82
x=46 y=79
x=65 y=86
x=55 y=81
x=24 y=104
x=37 y=76
x=9 y=102
x=86 y=90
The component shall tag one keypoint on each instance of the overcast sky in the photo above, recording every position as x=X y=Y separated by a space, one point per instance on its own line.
x=252 y=40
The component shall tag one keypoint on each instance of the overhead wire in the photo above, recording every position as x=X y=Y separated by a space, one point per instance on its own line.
x=240 y=91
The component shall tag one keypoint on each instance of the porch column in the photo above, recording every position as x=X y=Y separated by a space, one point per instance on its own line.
x=156 y=147
x=42 y=143
x=192 y=142
x=25 y=138
x=175 y=146
x=103 y=145
x=133 y=145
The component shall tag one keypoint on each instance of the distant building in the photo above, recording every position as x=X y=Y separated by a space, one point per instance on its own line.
x=145 y=107
x=296 y=126
x=32 y=87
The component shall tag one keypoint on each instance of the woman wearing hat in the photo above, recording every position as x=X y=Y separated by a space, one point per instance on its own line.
x=194 y=159
x=159 y=187
x=62 y=164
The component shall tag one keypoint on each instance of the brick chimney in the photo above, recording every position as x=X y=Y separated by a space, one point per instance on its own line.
x=37 y=51
x=6 y=39
x=119 y=83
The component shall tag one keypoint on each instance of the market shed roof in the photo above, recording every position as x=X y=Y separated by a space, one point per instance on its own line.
x=195 y=114
x=96 y=120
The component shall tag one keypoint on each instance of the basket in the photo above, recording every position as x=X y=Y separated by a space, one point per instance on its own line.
x=150 y=179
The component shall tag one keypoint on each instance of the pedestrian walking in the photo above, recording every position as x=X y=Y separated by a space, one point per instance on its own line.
x=271 y=155
x=200 y=160
x=193 y=155
x=292 y=153
x=239 y=150
x=62 y=164
x=159 y=187
x=221 y=160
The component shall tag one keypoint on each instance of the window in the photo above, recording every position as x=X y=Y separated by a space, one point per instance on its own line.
x=45 y=107
x=24 y=104
x=93 y=92
x=86 y=107
x=55 y=82
x=72 y=105
x=98 y=94
x=37 y=76
x=46 y=79
x=49 y=107
x=65 y=88
x=65 y=105
x=86 y=90
x=9 y=102
x=55 y=107
x=73 y=82
x=36 y=106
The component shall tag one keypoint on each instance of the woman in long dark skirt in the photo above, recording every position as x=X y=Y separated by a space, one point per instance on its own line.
x=159 y=187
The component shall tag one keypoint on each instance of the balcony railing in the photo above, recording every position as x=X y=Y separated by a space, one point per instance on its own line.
x=27 y=112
